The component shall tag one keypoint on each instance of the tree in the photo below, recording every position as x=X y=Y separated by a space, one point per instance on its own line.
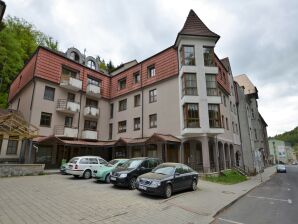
x=18 y=40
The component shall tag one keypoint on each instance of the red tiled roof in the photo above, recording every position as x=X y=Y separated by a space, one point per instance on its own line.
x=163 y=138
x=194 y=26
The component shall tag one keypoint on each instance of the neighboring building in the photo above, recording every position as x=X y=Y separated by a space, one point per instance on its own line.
x=281 y=152
x=178 y=105
x=252 y=126
x=2 y=9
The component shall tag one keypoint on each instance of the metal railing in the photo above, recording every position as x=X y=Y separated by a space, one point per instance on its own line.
x=62 y=104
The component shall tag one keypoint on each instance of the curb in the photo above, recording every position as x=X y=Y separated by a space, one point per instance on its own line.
x=237 y=199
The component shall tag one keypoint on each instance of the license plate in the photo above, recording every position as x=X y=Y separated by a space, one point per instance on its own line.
x=142 y=187
x=113 y=178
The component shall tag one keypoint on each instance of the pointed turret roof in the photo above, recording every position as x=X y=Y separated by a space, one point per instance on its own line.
x=194 y=26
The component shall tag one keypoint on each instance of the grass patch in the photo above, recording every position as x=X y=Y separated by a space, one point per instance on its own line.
x=227 y=177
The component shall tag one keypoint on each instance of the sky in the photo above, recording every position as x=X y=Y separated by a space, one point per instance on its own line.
x=259 y=37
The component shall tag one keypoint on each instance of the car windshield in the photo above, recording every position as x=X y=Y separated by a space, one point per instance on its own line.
x=113 y=162
x=131 y=164
x=74 y=160
x=166 y=170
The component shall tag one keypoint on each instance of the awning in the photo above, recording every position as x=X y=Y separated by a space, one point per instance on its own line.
x=162 y=138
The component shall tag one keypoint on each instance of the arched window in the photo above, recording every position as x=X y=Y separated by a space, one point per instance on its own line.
x=91 y=64
x=74 y=56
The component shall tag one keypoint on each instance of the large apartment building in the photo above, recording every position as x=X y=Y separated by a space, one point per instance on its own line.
x=179 y=105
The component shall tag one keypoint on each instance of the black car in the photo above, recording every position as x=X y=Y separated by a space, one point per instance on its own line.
x=168 y=178
x=127 y=174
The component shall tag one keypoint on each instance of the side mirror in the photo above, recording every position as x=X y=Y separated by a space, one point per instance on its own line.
x=142 y=168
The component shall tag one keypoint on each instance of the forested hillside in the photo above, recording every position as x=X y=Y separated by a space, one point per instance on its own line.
x=289 y=136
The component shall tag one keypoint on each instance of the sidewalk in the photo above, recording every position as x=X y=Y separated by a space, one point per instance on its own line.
x=212 y=197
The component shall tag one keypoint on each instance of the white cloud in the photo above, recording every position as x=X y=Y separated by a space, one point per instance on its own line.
x=258 y=36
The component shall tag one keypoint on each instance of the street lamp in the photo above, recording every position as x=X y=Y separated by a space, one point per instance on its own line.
x=2 y=9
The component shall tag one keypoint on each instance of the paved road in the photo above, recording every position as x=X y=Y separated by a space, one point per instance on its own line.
x=275 y=201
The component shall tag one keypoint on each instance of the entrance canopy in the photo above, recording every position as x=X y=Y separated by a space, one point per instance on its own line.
x=12 y=123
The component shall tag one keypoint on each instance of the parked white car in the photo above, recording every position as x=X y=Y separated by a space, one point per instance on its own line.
x=83 y=166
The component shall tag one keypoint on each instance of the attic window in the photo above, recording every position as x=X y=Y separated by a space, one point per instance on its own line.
x=91 y=64
x=151 y=71
x=74 y=56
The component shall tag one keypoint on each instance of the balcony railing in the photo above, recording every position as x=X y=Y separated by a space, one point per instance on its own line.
x=93 y=90
x=62 y=131
x=91 y=112
x=89 y=135
x=71 y=83
x=66 y=106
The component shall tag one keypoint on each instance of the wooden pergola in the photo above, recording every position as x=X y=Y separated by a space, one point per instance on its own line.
x=13 y=124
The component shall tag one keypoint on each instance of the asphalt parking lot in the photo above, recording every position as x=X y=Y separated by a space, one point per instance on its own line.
x=64 y=199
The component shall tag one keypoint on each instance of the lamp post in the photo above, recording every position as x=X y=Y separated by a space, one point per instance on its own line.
x=2 y=9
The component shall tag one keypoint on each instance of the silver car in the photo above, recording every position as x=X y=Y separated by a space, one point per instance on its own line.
x=280 y=168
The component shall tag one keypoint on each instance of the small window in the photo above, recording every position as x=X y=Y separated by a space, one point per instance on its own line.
x=137 y=123
x=136 y=77
x=121 y=126
x=71 y=97
x=152 y=96
x=12 y=146
x=45 y=119
x=122 y=84
x=49 y=93
x=223 y=121
x=137 y=100
x=110 y=131
x=151 y=71
x=1 y=140
x=122 y=105
x=111 y=110
x=90 y=125
x=227 y=123
x=153 y=120
x=68 y=122
x=225 y=100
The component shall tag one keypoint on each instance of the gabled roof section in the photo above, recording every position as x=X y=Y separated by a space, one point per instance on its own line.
x=194 y=26
x=244 y=81
x=226 y=63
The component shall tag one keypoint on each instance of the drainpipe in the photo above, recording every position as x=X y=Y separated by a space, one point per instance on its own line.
x=241 y=146
x=142 y=93
x=81 y=91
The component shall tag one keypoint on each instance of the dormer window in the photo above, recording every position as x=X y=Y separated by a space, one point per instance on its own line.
x=187 y=55
x=74 y=56
x=91 y=64
x=122 y=84
x=151 y=71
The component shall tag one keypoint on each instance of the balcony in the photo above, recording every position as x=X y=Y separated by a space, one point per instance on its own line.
x=91 y=112
x=93 y=90
x=89 y=135
x=69 y=132
x=68 y=107
x=70 y=83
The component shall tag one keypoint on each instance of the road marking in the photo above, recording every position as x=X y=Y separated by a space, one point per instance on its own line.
x=230 y=221
x=274 y=199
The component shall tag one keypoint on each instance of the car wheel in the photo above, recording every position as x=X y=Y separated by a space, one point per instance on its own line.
x=132 y=183
x=87 y=174
x=194 y=185
x=168 y=191
x=108 y=179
